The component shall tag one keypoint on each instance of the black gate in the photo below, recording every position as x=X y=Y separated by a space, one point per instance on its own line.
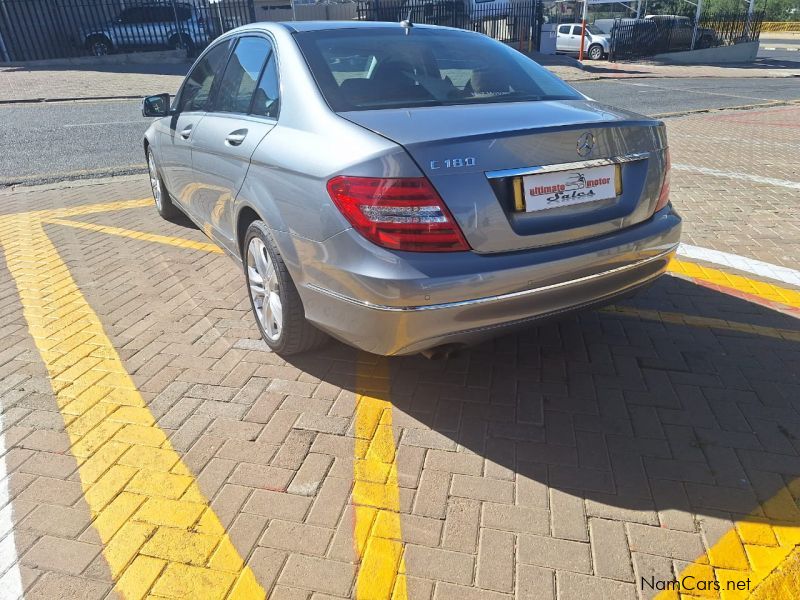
x=46 y=29
x=634 y=39
x=516 y=23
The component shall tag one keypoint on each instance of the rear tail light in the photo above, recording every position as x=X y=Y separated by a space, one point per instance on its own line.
x=402 y=213
x=663 y=197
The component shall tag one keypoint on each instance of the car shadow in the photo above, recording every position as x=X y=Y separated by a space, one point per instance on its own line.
x=686 y=398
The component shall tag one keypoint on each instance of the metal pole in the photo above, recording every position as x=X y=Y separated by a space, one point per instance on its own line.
x=697 y=15
x=6 y=55
x=583 y=27
x=177 y=23
x=750 y=10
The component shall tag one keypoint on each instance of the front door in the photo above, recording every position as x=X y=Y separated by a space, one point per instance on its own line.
x=175 y=142
x=244 y=111
x=563 y=38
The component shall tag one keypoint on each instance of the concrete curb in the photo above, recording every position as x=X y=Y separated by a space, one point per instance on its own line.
x=130 y=58
x=77 y=99
x=698 y=111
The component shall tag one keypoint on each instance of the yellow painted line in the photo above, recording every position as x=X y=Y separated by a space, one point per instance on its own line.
x=139 y=235
x=696 y=321
x=159 y=533
x=783 y=582
x=376 y=495
x=82 y=209
x=767 y=291
x=752 y=555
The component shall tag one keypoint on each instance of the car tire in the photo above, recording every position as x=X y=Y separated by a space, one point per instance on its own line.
x=100 y=45
x=164 y=204
x=595 y=52
x=274 y=300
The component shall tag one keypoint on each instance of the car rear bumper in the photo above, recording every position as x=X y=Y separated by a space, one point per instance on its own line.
x=385 y=316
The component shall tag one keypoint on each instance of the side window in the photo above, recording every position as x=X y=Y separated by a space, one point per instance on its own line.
x=131 y=15
x=241 y=75
x=576 y=30
x=564 y=29
x=184 y=12
x=266 y=101
x=197 y=87
x=162 y=14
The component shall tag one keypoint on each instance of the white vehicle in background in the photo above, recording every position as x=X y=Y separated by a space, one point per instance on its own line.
x=596 y=44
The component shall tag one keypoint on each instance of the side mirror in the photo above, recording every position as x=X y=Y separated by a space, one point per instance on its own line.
x=156 y=106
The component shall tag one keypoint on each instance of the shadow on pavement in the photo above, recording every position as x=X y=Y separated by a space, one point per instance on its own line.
x=629 y=413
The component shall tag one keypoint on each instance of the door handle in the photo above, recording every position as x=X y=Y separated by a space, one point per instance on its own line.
x=235 y=138
x=186 y=132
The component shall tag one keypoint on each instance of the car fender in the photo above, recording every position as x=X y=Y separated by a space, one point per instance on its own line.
x=282 y=238
x=98 y=33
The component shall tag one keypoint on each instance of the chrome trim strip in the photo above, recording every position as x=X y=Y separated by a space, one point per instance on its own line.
x=488 y=299
x=583 y=164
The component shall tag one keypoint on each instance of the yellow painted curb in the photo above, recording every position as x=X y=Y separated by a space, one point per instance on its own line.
x=159 y=533
x=767 y=291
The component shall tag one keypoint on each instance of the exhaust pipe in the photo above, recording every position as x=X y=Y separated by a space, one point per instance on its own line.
x=444 y=351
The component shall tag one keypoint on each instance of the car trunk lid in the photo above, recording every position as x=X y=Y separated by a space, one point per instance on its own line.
x=487 y=160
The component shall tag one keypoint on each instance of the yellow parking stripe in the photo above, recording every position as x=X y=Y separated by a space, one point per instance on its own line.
x=695 y=321
x=139 y=235
x=82 y=209
x=160 y=536
x=767 y=291
x=376 y=495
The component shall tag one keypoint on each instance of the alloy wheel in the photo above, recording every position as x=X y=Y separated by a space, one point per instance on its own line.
x=155 y=183
x=264 y=288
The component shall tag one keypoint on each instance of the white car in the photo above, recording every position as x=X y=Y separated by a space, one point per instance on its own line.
x=596 y=44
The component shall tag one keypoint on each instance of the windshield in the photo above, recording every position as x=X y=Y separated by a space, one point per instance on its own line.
x=594 y=29
x=364 y=69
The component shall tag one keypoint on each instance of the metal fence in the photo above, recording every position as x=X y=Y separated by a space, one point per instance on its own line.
x=633 y=39
x=48 y=29
x=516 y=23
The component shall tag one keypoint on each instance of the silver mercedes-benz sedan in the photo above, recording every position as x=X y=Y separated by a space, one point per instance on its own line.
x=408 y=188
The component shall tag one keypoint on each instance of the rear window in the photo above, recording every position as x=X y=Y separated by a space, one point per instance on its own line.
x=365 y=69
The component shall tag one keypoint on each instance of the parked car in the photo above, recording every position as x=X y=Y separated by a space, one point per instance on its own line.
x=151 y=25
x=605 y=25
x=679 y=32
x=596 y=44
x=417 y=204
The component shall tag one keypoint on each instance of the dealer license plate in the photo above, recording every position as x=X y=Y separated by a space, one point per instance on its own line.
x=565 y=188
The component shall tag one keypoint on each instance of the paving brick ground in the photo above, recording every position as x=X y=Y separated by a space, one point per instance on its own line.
x=568 y=461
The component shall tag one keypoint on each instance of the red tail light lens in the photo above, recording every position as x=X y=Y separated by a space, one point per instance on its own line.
x=398 y=213
x=663 y=197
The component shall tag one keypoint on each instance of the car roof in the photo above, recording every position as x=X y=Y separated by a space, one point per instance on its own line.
x=300 y=26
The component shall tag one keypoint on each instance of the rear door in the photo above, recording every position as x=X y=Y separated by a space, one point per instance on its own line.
x=175 y=143
x=245 y=109
x=126 y=29
x=563 y=38
x=575 y=38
